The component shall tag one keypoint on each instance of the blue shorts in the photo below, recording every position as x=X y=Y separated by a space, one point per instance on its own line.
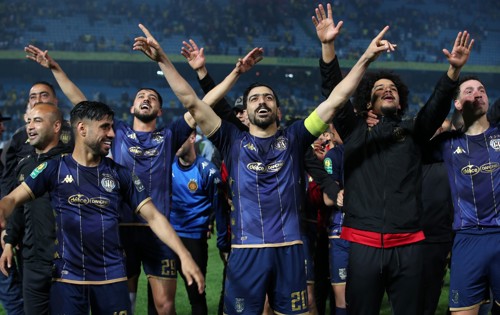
x=475 y=268
x=143 y=246
x=79 y=299
x=309 y=261
x=339 y=257
x=277 y=271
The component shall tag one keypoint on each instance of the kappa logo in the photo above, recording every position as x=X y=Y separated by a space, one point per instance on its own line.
x=204 y=164
x=250 y=147
x=68 y=179
x=211 y=171
x=459 y=150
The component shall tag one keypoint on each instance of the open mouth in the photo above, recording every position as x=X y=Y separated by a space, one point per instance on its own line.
x=145 y=106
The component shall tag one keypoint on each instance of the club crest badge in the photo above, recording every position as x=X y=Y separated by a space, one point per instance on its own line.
x=192 y=185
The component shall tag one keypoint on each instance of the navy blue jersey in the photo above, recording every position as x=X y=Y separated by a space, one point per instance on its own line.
x=86 y=202
x=334 y=165
x=473 y=164
x=195 y=196
x=266 y=179
x=150 y=156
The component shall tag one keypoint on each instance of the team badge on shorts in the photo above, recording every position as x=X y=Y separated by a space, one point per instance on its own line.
x=192 y=185
x=239 y=304
x=342 y=273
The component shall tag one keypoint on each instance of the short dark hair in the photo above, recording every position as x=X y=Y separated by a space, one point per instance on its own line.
x=51 y=87
x=461 y=81
x=254 y=85
x=362 y=96
x=160 y=99
x=90 y=110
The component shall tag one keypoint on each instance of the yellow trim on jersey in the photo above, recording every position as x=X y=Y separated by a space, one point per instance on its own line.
x=28 y=190
x=332 y=237
x=466 y=308
x=215 y=129
x=90 y=282
x=314 y=124
x=138 y=209
x=266 y=245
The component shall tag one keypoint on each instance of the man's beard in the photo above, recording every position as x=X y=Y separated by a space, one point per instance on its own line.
x=145 y=118
x=389 y=111
x=262 y=123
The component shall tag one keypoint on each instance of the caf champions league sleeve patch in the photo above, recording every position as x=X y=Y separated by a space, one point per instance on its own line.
x=38 y=170
x=137 y=183
x=328 y=165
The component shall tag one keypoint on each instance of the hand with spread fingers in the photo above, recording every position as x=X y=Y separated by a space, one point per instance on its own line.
x=461 y=50
x=194 y=55
x=326 y=29
x=41 y=57
x=251 y=59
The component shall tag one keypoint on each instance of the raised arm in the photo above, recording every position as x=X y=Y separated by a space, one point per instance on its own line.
x=343 y=91
x=242 y=66
x=459 y=55
x=196 y=60
x=327 y=31
x=72 y=92
x=201 y=112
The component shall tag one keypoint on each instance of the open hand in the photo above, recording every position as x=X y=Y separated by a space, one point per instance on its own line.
x=326 y=29
x=41 y=57
x=461 y=50
x=194 y=55
x=253 y=57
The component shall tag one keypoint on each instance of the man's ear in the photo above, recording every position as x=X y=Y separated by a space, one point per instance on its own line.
x=458 y=105
x=159 y=113
x=369 y=106
x=57 y=126
x=81 y=128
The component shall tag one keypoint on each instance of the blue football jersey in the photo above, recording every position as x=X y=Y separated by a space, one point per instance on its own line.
x=195 y=197
x=150 y=156
x=86 y=201
x=266 y=180
x=473 y=164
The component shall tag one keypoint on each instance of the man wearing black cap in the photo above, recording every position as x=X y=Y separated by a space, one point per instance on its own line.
x=240 y=111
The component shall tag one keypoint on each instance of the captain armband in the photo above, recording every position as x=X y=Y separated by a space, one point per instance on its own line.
x=314 y=124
